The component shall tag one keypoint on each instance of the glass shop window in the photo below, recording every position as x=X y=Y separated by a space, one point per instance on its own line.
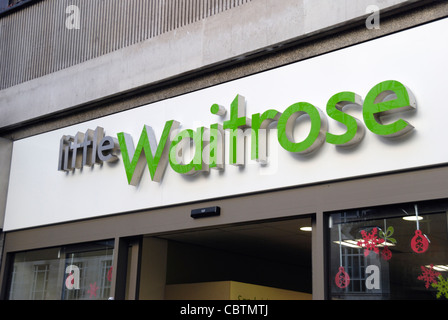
x=390 y=252
x=82 y=272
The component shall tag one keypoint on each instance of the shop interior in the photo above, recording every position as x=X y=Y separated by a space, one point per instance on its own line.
x=256 y=261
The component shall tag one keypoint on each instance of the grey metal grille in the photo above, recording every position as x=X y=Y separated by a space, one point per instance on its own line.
x=34 y=41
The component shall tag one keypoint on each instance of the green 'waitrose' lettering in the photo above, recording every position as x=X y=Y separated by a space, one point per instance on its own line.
x=382 y=100
x=148 y=151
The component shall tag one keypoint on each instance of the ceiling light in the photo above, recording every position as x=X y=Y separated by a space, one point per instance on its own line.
x=412 y=218
x=354 y=243
x=306 y=228
x=439 y=267
x=348 y=243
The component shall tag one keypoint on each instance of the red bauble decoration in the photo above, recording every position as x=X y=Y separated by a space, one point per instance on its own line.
x=419 y=242
x=386 y=254
x=342 y=278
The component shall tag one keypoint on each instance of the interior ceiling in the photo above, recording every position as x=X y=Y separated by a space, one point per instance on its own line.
x=277 y=240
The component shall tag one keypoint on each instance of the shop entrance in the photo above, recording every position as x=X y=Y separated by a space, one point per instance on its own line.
x=263 y=260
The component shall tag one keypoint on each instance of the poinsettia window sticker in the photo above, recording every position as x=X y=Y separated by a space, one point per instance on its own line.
x=432 y=278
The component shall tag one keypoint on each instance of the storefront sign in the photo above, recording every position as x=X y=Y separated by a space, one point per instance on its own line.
x=91 y=147
x=86 y=149
x=341 y=115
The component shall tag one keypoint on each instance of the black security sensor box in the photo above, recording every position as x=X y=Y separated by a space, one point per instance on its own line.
x=205 y=212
